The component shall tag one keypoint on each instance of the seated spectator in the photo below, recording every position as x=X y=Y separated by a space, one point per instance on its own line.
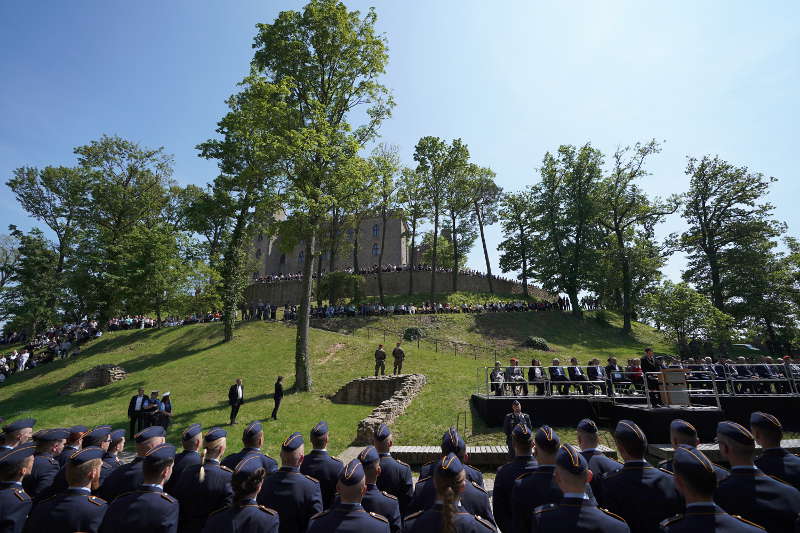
x=496 y=379
x=557 y=373
x=536 y=376
x=576 y=374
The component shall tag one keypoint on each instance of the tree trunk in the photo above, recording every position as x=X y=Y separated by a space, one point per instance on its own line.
x=627 y=283
x=411 y=270
x=319 y=281
x=524 y=253
x=716 y=284
x=572 y=292
x=435 y=244
x=380 y=253
x=485 y=250
x=454 y=243
x=302 y=367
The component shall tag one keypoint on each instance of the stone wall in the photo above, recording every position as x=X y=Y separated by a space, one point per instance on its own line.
x=392 y=394
x=96 y=377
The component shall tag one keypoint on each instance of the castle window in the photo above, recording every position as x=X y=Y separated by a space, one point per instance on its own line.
x=376 y=250
x=376 y=230
x=301 y=258
x=258 y=253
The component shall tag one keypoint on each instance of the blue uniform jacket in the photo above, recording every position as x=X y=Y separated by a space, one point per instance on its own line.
x=199 y=500
x=325 y=469
x=503 y=485
x=295 y=496
x=15 y=505
x=599 y=464
x=641 y=494
x=532 y=489
x=348 y=518
x=267 y=462
x=574 y=515
x=45 y=468
x=474 y=499
x=146 y=509
x=720 y=472
x=183 y=460
x=430 y=521
x=708 y=517
x=70 y=511
x=110 y=463
x=126 y=478
x=757 y=497
x=247 y=516
x=385 y=505
x=65 y=454
x=395 y=479
x=473 y=474
x=775 y=462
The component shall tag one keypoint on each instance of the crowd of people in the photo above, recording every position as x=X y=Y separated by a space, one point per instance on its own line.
x=73 y=479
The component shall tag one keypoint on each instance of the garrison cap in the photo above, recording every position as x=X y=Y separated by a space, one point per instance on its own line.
x=49 y=435
x=516 y=402
x=693 y=464
x=547 y=438
x=369 y=455
x=352 y=473
x=16 y=455
x=160 y=453
x=383 y=432
x=80 y=428
x=320 y=429
x=191 y=432
x=765 y=420
x=449 y=466
x=292 y=442
x=628 y=431
x=587 y=425
x=215 y=434
x=252 y=429
x=571 y=460
x=86 y=454
x=682 y=427
x=149 y=433
x=96 y=436
x=16 y=425
x=249 y=464
x=735 y=432
x=452 y=442
x=117 y=434
x=522 y=433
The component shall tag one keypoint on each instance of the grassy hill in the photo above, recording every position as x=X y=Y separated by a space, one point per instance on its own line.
x=193 y=363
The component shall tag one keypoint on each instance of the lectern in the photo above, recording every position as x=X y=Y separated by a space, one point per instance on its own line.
x=672 y=387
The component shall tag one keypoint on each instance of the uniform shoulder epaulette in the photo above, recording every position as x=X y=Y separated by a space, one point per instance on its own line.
x=671 y=520
x=776 y=478
x=428 y=463
x=426 y=478
x=524 y=475
x=52 y=461
x=499 y=468
x=613 y=515
x=336 y=459
x=315 y=480
x=321 y=513
x=224 y=508
x=662 y=463
x=402 y=463
x=720 y=467
x=413 y=515
x=21 y=494
x=268 y=510
x=666 y=471
x=169 y=498
x=225 y=468
x=379 y=517
x=105 y=465
x=545 y=507
x=746 y=521
x=477 y=486
x=97 y=500
x=392 y=496
x=609 y=475
x=484 y=522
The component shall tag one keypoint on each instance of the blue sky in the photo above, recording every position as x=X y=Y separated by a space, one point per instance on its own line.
x=512 y=79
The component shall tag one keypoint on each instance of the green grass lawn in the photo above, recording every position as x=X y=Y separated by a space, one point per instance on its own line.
x=193 y=363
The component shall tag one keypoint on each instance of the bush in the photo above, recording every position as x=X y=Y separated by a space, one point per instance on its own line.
x=412 y=334
x=537 y=343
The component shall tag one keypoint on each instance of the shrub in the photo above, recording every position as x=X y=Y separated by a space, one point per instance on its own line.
x=537 y=343
x=412 y=334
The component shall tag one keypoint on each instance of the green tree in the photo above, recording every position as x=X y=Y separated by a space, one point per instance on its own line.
x=445 y=252
x=517 y=222
x=386 y=163
x=411 y=197
x=485 y=197
x=458 y=205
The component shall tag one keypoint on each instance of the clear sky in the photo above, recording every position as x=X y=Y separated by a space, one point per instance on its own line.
x=512 y=79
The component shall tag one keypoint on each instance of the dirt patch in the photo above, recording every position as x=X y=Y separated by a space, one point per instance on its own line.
x=332 y=352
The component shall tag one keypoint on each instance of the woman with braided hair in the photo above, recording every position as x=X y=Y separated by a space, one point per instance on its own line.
x=449 y=479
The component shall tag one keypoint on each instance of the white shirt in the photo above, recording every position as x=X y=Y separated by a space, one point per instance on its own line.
x=138 y=405
x=239 y=391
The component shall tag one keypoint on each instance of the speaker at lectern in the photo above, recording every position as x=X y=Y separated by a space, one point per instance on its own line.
x=672 y=387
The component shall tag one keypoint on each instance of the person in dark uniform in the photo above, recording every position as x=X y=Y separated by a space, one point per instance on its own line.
x=641 y=494
x=244 y=515
x=395 y=476
x=253 y=440
x=749 y=492
x=17 y=433
x=380 y=360
x=295 y=496
x=128 y=477
x=191 y=439
x=399 y=355
x=164 y=415
x=135 y=411
x=516 y=416
x=576 y=512
x=682 y=433
x=100 y=437
x=449 y=479
x=650 y=364
x=348 y=515
x=49 y=444
x=206 y=487
x=599 y=463
x=235 y=398
x=523 y=462
x=115 y=446
x=374 y=499
x=453 y=443
x=74 y=509
x=15 y=504
x=320 y=465
x=696 y=481
x=147 y=508
x=73 y=444
x=774 y=461
x=277 y=397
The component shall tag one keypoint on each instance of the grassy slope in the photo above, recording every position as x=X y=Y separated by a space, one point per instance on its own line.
x=197 y=368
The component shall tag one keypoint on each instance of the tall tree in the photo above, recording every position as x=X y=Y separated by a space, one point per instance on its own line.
x=457 y=205
x=517 y=222
x=625 y=210
x=9 y=256
x=330 y=59
x=386 y=162
x=412 y=199
x=567 y=233
x=485 y=196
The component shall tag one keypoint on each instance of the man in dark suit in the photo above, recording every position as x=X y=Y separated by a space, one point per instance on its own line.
x=557 y=373
x=595 y=372
x=576 y=374
x=516 y=416
x=650 y=364
x=235 y=398
x=135 y=411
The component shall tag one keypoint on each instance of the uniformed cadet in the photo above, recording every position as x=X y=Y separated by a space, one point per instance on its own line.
x=395 y=477
x=599 y=463
x=49 y=444
x=244 y=515
x=206 y=487
x=537 y=487
x=516 y=416
x=320 y=465
x=295 y=496
x=253 y=440
x=74 y=509
x=17 y=432
x=449 y=479
x=115 y=446
x=774 y=461
x=73 y=443
x=522 y=440
x=682 y=432
x=453 y=443
x=348 y=515
x=749 y=492
x=641 y=494
x=191 y=439
x=375 y=500
x=147 y=508
x=128 y=477
x=100 y=436
x=15 y=504
x=575 y=513
x=696 y=480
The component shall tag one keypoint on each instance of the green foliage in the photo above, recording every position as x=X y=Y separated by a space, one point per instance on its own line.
x=517 y=219
x=336 y=286
x=445 y=253
x=412 y=334
x=537 y=343
x=602 y=317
